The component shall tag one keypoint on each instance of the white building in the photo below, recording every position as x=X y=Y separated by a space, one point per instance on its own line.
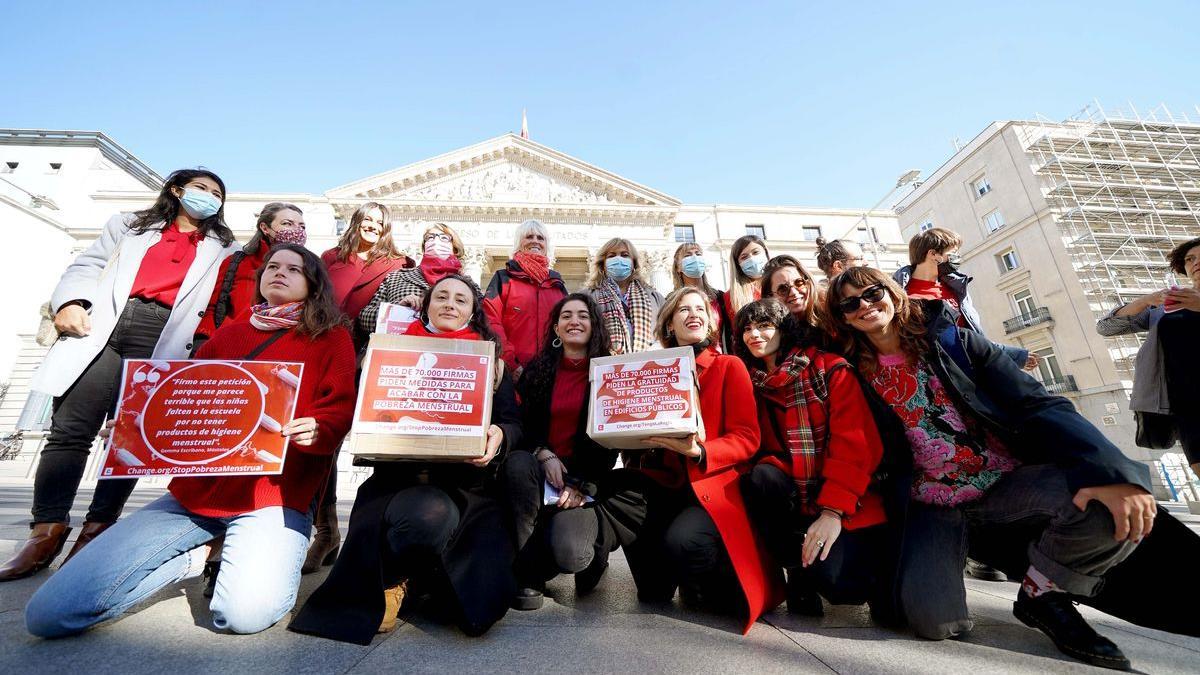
x=59 y=187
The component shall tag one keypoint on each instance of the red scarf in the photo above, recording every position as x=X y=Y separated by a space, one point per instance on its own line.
x=417 y=328
x=536 y=265
x=435 y=269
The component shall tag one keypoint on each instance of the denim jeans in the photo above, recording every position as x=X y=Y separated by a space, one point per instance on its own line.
x=1074 y=548
x=161 y=544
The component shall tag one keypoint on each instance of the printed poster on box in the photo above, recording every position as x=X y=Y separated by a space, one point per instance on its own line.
x=636 y=396
x=202 y=418
x=424 y=398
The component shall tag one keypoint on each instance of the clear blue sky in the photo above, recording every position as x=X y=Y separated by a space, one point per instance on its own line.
x=770 y=103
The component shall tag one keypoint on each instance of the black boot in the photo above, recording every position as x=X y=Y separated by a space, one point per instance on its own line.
x=586 y=581
x=984 y=572
x=528 y=599
x=802 y=599
x=1055 y=615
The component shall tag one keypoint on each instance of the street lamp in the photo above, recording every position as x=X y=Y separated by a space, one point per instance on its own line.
x=906 y=178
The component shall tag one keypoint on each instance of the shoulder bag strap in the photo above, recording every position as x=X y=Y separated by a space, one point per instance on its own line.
x=222 y=308
x=266 y=343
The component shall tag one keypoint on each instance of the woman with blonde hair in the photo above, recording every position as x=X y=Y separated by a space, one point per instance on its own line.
x=441 y=256
x=628 y=303
x=691 y=269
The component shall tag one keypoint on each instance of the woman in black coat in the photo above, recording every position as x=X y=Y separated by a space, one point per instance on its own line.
x=434 y=524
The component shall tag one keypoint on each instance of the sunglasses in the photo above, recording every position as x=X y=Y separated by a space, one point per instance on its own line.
x=870 y=294
x=783 y=291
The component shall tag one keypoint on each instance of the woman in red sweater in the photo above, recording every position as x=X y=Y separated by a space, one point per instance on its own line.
x=810 y=492
x=265 y=519
x=694 y=533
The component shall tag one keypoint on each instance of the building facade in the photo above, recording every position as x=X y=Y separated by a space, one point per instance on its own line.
x=1062 y=222
x=57 y=189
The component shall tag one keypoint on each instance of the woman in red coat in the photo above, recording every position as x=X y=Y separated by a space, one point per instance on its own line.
x=810 y=492
x=695 y=533
x=519 y=298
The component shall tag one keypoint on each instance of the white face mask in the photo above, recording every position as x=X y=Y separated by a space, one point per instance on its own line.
x=439 y=249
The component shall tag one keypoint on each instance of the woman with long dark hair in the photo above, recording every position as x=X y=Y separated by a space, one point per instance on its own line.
x=264 y=520
x=997 y=464
x=570 y=535
x=138 y=291
x=434 y=524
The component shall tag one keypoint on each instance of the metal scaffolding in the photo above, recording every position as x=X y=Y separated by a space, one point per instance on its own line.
x=1125 y=189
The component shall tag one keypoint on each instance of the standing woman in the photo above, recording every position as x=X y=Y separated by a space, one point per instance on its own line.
x=689 y=269
x=138 y=291
x=810 y=491
x=264 y=519
x=833 y=257
x=628 y=303
x=235 y=290
x=519 y=297
x=442 y=253
x=694 y=532
x=434 y=523
x=564 y=537
x=748 y=259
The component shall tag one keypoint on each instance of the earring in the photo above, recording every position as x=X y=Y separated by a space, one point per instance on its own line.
x=556 y=343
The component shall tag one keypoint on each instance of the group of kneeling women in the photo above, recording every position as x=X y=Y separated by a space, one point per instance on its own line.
x=858 y=440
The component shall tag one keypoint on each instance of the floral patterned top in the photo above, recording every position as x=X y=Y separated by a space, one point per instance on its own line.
x=954 y=458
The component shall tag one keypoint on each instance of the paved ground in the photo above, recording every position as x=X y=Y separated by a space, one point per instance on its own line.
x=606 y=632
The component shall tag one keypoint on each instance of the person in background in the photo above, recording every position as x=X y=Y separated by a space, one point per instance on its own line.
x=576 y=533
x=264 y=520
x=139 y=291
x=690 y=269
x=810 y=492
x=628 y=303
x=997 y=463
x=835 y=256
x=748 y=259
x=442 y=253
x=519 y=297
x=235 y=290
x=357 y=266
x=436 y=524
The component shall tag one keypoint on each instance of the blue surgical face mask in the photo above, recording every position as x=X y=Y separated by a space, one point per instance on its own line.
x=694 y=266
x=754 y=265
x=199 y=204
x=618 y=268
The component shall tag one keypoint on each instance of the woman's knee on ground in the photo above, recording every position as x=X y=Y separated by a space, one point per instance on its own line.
x=421 y=517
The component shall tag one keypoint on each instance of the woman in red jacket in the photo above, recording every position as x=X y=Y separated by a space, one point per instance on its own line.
x=809 y=493
x=694 y=533
x=264 y=519
x=236 y=288
x=519 y=297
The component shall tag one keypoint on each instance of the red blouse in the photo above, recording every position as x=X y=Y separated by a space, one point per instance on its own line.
x=566 y=404
x=919 y=289
x=165 y=265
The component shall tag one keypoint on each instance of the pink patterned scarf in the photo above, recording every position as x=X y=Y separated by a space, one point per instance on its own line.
x=285 y=316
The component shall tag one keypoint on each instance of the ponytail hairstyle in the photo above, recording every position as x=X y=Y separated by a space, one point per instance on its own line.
x=908 y=321
x=384 y=247
x=320 y=312
x=266 y=217
x=836 y=251
x=165 y=209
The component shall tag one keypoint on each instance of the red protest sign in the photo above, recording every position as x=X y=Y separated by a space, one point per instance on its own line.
x=202 y=418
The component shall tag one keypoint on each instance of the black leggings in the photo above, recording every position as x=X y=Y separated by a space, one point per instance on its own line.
x=80 y=411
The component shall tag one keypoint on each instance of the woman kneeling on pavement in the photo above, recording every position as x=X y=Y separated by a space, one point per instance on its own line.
x=434 y=525
x=265 y=519
x=693 y=532
x=997 y=462
x=574 y=534
x=810 y=492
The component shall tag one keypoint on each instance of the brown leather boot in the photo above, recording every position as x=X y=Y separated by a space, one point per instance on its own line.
x=44 y=544
x=87 y=533
x=392 y=599
x=326 y=543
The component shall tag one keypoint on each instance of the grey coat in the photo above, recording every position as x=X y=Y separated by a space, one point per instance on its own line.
x=107 y=286
x=1150 y=385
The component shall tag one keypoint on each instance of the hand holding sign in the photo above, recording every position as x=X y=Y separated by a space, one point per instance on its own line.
x=302 y=431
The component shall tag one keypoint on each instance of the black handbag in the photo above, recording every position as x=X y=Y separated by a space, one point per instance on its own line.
x=1155 y=430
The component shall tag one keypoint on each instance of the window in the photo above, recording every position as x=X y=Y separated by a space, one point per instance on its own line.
x=1008 y=261
x=55 y=167
x=1023 y=300
x=993 y=221
x=927 y=225
x=757 y=230
x=1048 y=370
x=685 y=234
x=982 y=187
x=340 y=225
x=9 y=167
x=811 y=232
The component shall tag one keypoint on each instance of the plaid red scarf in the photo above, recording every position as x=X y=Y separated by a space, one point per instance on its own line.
x=619 y=317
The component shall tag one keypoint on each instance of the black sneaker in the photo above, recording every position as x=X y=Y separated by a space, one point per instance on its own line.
x=984 y=572
x=587 y=580
x=1055 y=615
x=802 y=599
x=528 y=599
x=211 y=568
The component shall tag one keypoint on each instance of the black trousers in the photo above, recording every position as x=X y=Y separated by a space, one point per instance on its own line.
x=80 y=411
x=418 y=524
x=549 y=540
x=851 y=574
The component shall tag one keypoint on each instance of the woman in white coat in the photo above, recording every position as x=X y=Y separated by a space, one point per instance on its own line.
x=138 y=291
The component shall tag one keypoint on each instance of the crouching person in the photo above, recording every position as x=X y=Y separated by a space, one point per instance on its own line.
x=436 y=526
x=994 y=457
x=265 y=519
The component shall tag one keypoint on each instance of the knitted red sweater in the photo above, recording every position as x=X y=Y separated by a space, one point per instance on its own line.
x=326 y=393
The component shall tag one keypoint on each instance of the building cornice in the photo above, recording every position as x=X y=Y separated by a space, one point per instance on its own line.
x=111 y=150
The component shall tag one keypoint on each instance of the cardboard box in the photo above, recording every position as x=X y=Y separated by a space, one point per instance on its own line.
x=636 y=396
x=425 y=399
x=393 y=319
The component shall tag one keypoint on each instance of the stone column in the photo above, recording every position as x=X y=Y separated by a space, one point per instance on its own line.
x=658 y=269
x=475 y=265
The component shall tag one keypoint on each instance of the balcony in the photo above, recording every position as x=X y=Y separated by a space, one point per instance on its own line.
x=1023 y=321
x=1061 y=385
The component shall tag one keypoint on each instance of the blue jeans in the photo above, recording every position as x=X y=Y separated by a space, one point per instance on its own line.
x=161 y=544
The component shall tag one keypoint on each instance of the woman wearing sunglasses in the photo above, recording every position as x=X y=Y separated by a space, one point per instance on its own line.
x=998 y=465
x=441 y=256
x=810 y=493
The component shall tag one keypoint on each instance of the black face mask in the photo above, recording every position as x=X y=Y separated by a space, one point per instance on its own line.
x=949 y=266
